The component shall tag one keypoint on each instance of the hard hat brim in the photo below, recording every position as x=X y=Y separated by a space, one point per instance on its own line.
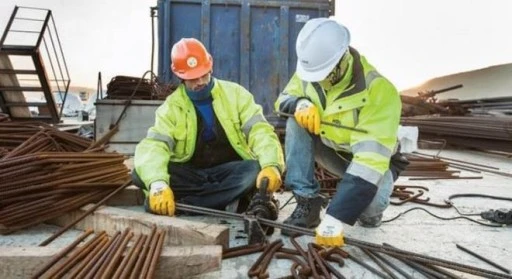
x=197 y=72
x=315 y=76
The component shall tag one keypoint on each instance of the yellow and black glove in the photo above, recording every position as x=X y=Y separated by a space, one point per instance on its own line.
x=307 y=116
x=274 y=178
x=161 y=199
x=330 y=232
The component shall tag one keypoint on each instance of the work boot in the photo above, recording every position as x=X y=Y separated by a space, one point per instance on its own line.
x=370 y=222
x=306 y=213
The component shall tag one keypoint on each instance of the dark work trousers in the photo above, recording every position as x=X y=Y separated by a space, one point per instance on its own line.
x=214 y=187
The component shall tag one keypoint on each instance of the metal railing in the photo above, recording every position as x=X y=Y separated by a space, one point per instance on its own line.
x=47 y=45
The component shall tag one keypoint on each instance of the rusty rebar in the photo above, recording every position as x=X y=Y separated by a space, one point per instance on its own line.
x=266 y=261
x=140 y=261
x=114 y=247
x=365 y=265
x=92 y=270
x=483 y=259
x=156 y=255
x=256 y=268
x=380 y=263
x=304 y=267
x=117 y=256
x=311 y=262
x=88 y=258
x=73 y=259
x=319 y=260
x=122 y=266
x=62 y=253
x=87 y=212
x=89 y=265
x=248 y=249
x=151 y=251
x=136 y=254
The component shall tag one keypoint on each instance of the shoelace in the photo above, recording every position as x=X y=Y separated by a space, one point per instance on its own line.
x=301 y=210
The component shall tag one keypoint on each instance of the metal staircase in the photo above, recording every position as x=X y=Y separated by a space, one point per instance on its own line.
x=29 y=45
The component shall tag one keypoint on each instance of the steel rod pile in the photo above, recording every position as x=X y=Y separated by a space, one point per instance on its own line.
x=419 y=168
x=488 y=106
x=428 y=168
x=481 y=132
x=122 y=88
x=41 y=186
x=107 y=257
x=31 y=137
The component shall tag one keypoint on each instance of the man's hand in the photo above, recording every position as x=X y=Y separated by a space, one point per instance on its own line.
x=274 y=178
x=330 y=232
x=307 y=116
x=161 y=199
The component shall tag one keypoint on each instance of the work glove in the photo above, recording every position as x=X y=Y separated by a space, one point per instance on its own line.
x=306 y=114
x=330 y=232
x=274 y=178
x=161 y=199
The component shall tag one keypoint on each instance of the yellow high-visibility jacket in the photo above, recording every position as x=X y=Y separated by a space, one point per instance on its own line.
x=173 y=136
x=362 y=99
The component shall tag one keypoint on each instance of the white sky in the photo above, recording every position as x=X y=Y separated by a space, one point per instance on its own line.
x=412 y=41
x=407 y=41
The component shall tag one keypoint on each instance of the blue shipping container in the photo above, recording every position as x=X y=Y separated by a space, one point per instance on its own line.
x=252 y=41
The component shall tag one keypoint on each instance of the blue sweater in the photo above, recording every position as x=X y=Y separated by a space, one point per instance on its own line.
x=202 y=100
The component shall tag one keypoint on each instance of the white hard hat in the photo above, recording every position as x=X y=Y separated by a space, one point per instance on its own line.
x=320 y=45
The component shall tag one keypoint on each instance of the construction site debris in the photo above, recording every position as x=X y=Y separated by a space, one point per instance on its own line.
x=122 y=87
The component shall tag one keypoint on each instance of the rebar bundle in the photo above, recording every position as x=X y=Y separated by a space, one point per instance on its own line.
x=480 y=132
x=30 y=137
x=107 y=257
x=41 y=186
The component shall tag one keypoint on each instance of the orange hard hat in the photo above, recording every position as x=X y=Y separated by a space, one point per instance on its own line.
x=190 y=59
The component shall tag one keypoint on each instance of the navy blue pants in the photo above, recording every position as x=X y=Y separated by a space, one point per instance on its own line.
x=214 y=187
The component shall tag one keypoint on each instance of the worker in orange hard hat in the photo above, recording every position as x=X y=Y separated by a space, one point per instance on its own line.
x=190 y=59
x=210 y=145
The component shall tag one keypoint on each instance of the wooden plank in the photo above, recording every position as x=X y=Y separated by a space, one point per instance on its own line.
x=174 y=262
x=179 y=231
x=129 y=196
x=12 y=96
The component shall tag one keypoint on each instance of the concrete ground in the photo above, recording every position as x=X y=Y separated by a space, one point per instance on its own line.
x=415 y=231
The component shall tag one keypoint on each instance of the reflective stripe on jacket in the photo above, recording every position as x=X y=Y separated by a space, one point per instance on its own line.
x=173 y=136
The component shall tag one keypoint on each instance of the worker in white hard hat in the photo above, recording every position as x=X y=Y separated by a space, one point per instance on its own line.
x=334 y=84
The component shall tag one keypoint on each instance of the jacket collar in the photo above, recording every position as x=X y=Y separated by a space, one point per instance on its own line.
x=358 y=82
x=183 y=100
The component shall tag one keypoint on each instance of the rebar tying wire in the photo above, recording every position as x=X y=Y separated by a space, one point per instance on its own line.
x=463 y=215
x=441 y=218
x=351 y=241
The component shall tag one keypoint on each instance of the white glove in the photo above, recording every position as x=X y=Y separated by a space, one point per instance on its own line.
x=303 y=104
x=329 y=232
x=157 y=186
